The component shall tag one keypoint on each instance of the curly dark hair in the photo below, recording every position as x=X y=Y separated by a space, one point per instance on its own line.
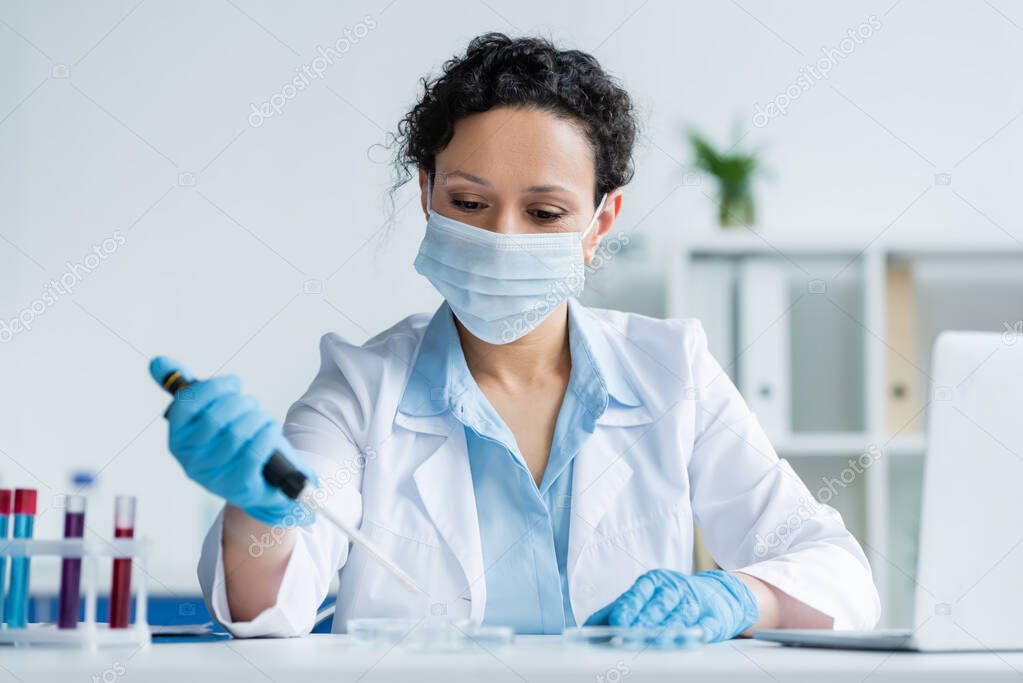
x=500 y=71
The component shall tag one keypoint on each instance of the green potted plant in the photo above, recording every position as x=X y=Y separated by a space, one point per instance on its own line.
x=734 y=172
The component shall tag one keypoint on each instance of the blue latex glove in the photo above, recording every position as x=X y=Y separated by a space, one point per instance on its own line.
x=716 y=601
x=222 y=440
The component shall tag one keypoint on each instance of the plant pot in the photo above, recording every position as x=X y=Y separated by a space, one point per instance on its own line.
x=737 y=210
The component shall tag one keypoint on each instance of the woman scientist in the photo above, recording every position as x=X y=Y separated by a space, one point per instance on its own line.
x=529 y=461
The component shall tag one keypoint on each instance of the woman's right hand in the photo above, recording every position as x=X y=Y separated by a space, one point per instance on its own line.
x=223 y=439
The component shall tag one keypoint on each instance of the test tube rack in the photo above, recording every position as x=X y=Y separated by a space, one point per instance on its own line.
x=89 y=634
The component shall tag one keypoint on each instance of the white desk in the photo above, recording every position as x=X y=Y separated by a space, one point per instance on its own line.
x=531 y=659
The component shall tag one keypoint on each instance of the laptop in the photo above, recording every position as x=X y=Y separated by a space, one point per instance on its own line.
x=969 y=593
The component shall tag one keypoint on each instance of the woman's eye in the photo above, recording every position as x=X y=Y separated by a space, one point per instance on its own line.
x=467 y=205
x=546 y=216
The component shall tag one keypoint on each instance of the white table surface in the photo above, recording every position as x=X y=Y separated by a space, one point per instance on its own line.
x=336 y=658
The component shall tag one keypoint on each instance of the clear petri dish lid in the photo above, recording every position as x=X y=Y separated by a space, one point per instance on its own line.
x=432 y=634
x=637 y=637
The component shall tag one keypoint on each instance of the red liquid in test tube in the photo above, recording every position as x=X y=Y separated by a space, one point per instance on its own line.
x=120 y=587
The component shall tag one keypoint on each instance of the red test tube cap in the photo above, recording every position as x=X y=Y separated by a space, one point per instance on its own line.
x=24 y=501
x=6 y=498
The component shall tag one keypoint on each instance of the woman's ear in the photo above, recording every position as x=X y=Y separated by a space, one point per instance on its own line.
x=424 y=188
x=604 y=220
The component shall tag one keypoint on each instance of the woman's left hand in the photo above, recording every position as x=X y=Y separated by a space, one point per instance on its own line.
x=716 y=601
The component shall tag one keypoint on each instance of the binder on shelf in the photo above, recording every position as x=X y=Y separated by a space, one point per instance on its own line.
x=903 y=384
x=764 y=348
x=712 y=302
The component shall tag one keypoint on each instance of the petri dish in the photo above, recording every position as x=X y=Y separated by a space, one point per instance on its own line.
x=489 y=637
x=637 y=638
x=429 y=635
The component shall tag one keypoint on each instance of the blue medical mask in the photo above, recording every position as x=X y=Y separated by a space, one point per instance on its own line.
x=501 y=286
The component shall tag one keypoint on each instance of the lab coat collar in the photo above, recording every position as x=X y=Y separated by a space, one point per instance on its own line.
x=439 y=375
x=433 y=384
x=590 y=346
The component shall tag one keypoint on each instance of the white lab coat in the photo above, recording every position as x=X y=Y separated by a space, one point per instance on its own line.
x=691 y=453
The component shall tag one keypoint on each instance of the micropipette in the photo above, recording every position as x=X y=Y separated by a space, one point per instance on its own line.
x=281 y=474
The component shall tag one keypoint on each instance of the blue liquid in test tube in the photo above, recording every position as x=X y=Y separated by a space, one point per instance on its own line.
x=16 y=611
x=6 y=500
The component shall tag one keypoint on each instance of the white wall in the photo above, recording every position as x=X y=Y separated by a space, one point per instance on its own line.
x=132 y=121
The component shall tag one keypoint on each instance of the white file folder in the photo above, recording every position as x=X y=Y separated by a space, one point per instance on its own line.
x=712 y=302
x=763 y=352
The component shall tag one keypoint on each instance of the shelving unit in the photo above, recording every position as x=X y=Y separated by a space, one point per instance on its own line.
x=844 y=443
x=855 y=291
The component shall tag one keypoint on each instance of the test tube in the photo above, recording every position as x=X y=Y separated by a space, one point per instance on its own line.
x=6 y=501
x=24 y=509
x=120 y=586
x=71 y=567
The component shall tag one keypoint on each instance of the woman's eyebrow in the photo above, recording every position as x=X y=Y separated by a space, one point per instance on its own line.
x=534 y=189
x=467 y=176
x=545 y=188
